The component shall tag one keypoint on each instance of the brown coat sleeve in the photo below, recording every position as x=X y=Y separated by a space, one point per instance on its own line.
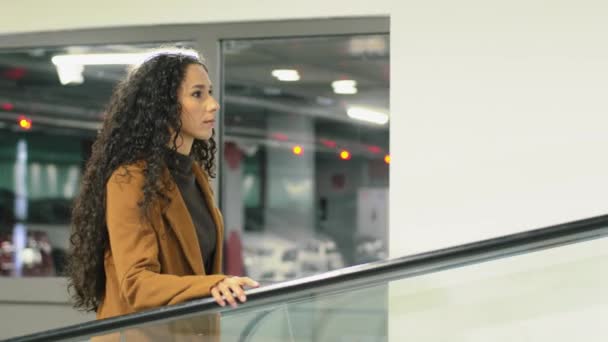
x=134 y=246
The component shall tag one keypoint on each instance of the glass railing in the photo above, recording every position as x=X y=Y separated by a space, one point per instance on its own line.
x=542 y=285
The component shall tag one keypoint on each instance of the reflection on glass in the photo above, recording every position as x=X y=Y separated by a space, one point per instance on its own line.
x=201 y=327
x=306 y=137
x=555 y=294
x=359 y=315
x=51 y=105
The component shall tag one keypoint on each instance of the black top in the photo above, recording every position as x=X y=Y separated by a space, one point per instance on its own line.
x=180 y=167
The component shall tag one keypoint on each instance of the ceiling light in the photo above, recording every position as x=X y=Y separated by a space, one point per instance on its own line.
x=368 y=115
x=70 y=67
x=345 y=155
x=286 y=75
x=70 y=73
x=344 y=87
x=25 y=123
x=297 y=150
x=387 y=159
x=99 y=59
x=115 y=58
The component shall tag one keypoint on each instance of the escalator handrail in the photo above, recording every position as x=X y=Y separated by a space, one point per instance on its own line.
x=351 y=277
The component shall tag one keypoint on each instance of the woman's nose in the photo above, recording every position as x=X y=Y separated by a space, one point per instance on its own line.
x=215 y=106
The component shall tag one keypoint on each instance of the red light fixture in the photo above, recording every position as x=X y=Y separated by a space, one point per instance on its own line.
x=7 y=106
x=345 y=155
x=298 y=150
x=387 y=159
x=15 y=73
x=279 y=136
x=25 y=123
x=328 y=143
x=374 y=149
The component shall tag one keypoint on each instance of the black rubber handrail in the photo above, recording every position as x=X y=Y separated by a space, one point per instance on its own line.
x=349 y=278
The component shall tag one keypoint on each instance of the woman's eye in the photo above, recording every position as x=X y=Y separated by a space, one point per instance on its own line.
x=211 y=92
x=197 y=94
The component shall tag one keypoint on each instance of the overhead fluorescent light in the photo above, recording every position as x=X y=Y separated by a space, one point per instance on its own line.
x=100 y=59
x=70 y=67
x=70 y=73
x=366 y=114
x=345 y=87
x=115 y=58
x=286 y=75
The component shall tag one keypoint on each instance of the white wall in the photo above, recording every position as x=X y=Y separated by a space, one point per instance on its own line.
x=499 y=118
x=34 y=15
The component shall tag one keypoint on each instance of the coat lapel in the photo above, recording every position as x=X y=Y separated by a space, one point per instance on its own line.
x=181 y=222
x=203 y=182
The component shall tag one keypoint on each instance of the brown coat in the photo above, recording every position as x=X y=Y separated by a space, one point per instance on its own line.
x=157 y=264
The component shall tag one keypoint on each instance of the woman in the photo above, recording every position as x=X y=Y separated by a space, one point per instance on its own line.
x=146 y=231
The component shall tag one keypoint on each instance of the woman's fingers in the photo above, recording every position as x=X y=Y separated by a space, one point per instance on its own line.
x=217 y=296
x=232 y=287
x=248 y=282
x=238 y=292
x=225 y=290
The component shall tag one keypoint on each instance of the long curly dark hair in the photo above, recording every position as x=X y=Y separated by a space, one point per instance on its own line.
x=142 y=119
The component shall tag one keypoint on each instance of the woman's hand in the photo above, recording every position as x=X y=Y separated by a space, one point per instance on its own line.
x=231 y=288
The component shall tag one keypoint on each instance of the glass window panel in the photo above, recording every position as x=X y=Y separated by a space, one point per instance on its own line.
x=306 y=146
x=49 y=116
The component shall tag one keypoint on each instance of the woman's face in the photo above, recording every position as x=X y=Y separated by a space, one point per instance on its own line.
x=199 y=108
